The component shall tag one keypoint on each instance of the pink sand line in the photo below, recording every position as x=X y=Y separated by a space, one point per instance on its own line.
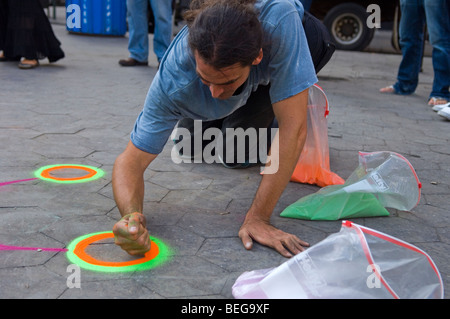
x=5 y=247
x=18 y=181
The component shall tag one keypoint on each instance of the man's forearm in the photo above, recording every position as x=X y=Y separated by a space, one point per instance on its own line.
x=128 y=188
x=128 y=180
x=130 y=232
x=286 y=148
x=272 y=185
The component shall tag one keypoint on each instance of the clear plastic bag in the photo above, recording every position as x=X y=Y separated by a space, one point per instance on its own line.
x=382 y=179
x=355 y=263
x=313 y=166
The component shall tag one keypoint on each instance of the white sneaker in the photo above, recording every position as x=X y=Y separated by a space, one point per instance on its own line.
x=445 y=112
x=439 y=107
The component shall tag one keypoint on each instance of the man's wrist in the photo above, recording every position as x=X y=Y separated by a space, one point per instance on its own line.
x=253 y=215
x=129 y=213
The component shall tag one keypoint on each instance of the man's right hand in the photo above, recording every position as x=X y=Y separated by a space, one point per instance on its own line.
x=130 y=233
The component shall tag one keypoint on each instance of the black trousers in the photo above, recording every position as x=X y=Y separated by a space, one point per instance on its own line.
x=256 y=114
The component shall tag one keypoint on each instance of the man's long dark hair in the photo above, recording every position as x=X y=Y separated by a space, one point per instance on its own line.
x=224 y=32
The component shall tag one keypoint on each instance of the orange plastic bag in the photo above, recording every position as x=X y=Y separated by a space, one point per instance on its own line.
x=313 y=166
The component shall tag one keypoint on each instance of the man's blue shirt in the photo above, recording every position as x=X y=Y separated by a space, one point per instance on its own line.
x=177 y=92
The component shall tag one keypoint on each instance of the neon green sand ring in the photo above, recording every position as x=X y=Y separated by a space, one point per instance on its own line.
x=92 y=173
x=158 y=254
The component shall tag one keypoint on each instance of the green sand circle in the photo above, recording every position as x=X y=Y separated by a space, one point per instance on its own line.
x=162 y=257
x=38 y=173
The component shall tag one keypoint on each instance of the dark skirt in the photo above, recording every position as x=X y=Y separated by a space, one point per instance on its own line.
x=25 y=31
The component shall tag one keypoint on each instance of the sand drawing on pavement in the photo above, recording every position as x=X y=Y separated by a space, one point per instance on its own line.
x=76 y=250
x=77 y=254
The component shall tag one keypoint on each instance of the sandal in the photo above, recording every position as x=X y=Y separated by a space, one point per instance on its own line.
x=26 y=66
x=437 y=101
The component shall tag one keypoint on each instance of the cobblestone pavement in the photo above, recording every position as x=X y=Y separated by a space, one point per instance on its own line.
x=81 y=110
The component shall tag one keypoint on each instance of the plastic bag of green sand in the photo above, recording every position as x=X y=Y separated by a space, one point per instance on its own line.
x=382 y=179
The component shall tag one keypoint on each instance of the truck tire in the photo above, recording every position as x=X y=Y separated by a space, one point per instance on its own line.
x=348 y=27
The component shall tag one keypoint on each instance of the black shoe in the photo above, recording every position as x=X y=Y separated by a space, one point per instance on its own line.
x=132 y=62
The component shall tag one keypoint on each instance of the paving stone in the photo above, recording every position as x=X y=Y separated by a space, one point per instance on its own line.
x=230 y=254
x=180 y=180
x=21 y=258
x=31 y=283
x=24 y=220
x=57 y=145
x=182 y=241
x=185 y=277
x=200 y=199
x=212 y=223
x=71 y=227
x=407 y=230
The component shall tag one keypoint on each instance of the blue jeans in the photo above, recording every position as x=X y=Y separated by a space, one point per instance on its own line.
x=138 y=28
x=436 y=15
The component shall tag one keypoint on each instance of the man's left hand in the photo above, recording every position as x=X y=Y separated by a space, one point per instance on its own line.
x=264 y=233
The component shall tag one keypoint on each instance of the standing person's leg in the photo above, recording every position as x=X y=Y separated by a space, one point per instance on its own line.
x=137 y=32
x=412 y=25
x=438 y=23
x=162 y=10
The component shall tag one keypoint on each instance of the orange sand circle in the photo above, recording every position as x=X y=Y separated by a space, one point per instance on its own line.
x=90 y=172
x=80 y=248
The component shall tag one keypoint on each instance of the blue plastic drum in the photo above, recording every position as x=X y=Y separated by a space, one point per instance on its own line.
x=100 y=17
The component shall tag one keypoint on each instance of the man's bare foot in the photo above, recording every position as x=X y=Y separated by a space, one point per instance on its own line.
x=437 y=101
x=388 y=89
